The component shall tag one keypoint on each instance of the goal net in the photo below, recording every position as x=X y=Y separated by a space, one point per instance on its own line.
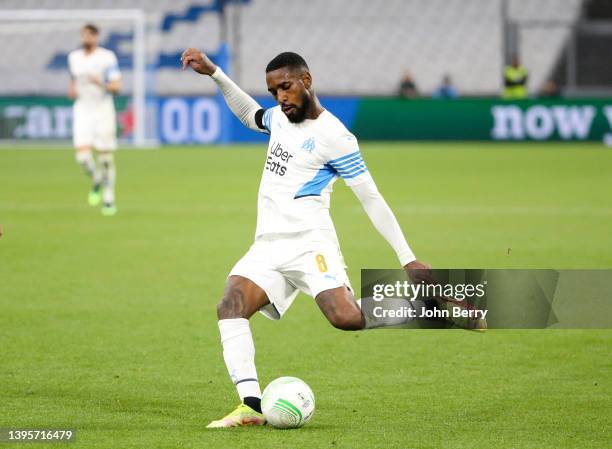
x=34 y=73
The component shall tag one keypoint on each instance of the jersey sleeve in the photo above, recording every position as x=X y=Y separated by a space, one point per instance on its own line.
x=112 y=73
x=345 y=158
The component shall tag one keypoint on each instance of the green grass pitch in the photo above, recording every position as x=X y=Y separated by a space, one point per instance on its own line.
x=107 y=325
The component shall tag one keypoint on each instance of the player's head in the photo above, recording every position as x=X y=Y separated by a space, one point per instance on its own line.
x=290 y=83
x=89 y=36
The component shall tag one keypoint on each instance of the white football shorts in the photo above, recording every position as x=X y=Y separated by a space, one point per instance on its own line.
x=282 y=265
x=94 y=126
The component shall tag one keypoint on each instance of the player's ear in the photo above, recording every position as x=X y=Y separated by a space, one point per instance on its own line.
x=307 y=79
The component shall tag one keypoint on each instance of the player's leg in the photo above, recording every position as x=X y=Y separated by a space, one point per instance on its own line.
x=83 y=137
x=241 y=299
x=106 y=144
x=321 y=274
x=85 y=158
x=340 y=308
x=109 y=176
x=344 y=312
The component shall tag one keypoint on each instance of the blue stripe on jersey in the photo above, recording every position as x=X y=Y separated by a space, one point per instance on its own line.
x=315 y=186
x=350 y=165
x=354 y=174
x=346 y=162
x=351 y=168
x=335 y=161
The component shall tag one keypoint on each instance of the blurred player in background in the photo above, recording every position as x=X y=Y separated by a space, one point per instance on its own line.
x=95 y=78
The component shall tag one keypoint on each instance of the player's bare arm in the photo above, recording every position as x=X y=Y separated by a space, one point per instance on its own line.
x=72 y=92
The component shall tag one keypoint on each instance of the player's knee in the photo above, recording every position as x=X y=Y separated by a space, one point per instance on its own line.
x=347 y=320
x=231 y=305
x=107 y=159
x=83 y=154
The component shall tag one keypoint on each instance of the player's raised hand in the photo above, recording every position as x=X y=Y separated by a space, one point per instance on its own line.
x=419 y=272
x=198 y=61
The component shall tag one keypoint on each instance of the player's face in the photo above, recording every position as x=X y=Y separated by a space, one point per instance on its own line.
x=89 y=39
x=289 y=87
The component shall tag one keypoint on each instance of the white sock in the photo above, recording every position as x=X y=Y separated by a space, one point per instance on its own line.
x=109 y=175
x=239 y=355
x=87 y=161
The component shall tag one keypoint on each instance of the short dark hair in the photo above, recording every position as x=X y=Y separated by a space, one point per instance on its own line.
x=91 y=28
x=287 y=59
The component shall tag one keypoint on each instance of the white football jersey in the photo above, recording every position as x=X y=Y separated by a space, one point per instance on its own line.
x=303 y=161
x=101 y=64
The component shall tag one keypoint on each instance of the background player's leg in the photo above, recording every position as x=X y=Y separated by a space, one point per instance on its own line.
x=241 y=299
x=84 y=157
x=109 y=175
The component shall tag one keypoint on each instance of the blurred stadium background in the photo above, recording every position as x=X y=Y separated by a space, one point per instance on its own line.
x=359 y=52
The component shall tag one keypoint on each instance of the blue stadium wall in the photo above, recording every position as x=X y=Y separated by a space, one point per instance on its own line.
x=197 y=120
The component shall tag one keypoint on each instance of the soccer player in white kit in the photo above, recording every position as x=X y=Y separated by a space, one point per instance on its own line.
x=95 y=78
x=295 y=248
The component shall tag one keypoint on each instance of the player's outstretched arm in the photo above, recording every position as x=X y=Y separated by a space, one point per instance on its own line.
x=386 y=224
x=240 y=103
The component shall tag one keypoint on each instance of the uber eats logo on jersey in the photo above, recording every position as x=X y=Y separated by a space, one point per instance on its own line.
x=277 y=159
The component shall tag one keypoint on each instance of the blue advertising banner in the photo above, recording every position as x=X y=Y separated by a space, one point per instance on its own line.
x=202 y=120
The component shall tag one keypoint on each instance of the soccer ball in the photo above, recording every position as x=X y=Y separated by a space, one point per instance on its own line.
x=287 y=403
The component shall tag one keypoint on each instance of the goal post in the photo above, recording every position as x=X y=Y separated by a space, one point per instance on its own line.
x=29 y=75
